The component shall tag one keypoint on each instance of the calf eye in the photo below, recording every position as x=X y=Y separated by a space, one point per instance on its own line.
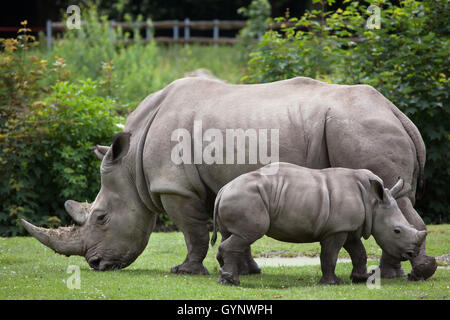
x=397 y=231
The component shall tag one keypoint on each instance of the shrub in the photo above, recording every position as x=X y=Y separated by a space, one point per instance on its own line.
x=406 y=60
x=257 y=14
x=46 y=143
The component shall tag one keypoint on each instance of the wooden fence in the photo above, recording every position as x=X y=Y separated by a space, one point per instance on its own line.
x=175 y=25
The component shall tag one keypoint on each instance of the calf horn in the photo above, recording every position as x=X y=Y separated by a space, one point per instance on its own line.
x=64 y=240
x=77 y=210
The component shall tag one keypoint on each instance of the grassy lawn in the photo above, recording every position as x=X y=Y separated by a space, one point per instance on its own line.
x=28 y=270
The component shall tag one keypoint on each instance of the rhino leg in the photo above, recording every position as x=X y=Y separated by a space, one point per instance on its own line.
x=423 y=266
x=357 y=253
x=247 y=265
x=231 y=252
x=190 y=217
x=240 y=227
x=328 y=257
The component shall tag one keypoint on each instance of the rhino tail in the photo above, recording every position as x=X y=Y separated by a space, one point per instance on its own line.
x=216 y=209
x=415 y=136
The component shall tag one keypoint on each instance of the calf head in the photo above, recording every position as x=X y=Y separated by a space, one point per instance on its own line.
x=386 y=222
x=115 y=228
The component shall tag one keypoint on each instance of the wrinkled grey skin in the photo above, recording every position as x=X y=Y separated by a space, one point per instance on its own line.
x=320 y=125
x=334 y=206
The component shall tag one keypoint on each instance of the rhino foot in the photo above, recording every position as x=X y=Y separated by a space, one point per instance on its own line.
x=423 y=267
x=228 y=278
x=334 y=280
x=190 y=268
x=359 y=277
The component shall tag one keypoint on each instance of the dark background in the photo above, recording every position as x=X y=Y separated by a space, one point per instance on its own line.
x=36 y=12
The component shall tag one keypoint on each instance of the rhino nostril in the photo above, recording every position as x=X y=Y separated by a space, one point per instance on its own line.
x=95 y=263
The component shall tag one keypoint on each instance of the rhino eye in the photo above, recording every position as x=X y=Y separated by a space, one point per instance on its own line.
x=101 y=218
x=397 y=231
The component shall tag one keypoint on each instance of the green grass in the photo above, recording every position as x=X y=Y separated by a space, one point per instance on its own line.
x=28 y=270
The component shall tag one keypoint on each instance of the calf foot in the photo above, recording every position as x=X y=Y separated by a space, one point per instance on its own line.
x=190 y=268
x=333 y=280
x=228 y=278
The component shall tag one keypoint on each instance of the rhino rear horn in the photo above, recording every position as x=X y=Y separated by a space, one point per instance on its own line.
x=64 y=240
x=100 y=151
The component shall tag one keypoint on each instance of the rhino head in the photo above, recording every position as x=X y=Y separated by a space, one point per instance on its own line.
x=385 y=221
x=112 y=231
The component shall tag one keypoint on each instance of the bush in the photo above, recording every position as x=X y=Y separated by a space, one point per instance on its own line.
x=258 y=15
x=46 y=143
x=406 y=60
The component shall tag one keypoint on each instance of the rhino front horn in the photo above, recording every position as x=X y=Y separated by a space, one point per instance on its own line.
x=64 y=240
x=79 y=211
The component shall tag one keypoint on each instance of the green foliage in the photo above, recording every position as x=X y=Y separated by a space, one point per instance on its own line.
x=406 y=60
x=46 y=143
x=135 y=69
x=257 y=14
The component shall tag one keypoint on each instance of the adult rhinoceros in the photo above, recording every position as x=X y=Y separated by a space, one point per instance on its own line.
x=318 y=125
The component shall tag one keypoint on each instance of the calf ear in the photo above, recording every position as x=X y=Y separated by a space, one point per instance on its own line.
x=100 y=151
x=377 y=189
x=120 y=146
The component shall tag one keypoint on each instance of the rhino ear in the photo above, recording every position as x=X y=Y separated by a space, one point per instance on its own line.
x=100 y=151
x=120 y=146
x=377 y=189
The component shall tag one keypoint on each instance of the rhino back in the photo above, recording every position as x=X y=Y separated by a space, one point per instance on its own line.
x=290 y=106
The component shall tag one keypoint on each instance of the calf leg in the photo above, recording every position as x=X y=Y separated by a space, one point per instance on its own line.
x=240 y=227
x=246 y=265
x=232 y=253
x=191 y=218
x=328 y=257
x=357 y=253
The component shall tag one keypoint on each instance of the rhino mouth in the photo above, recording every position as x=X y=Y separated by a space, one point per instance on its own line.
x=99 y=264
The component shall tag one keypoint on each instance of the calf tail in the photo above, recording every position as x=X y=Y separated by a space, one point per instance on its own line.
x=216 y=209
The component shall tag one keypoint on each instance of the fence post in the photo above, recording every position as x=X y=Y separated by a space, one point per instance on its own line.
x=187 y=33
x=148 y=31
x=216 y=32
x=175 y=31
x=49 y=34
x=111 y=30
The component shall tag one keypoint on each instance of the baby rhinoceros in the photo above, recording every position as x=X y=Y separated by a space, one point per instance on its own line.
x=334 y=206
